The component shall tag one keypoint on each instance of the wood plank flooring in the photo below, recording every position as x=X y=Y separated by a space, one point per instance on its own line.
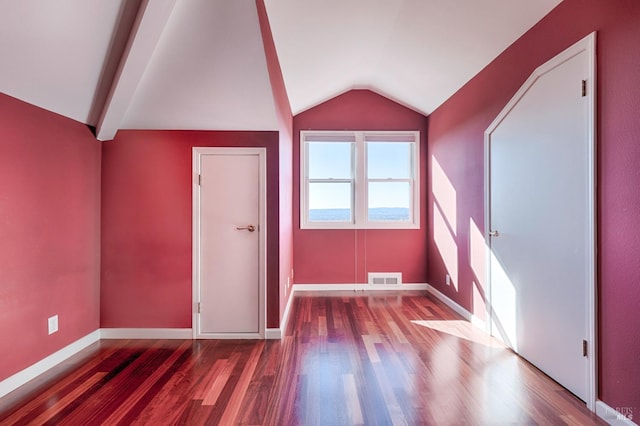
x=382 y=358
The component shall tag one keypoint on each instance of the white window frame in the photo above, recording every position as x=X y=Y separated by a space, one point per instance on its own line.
x=359 y=178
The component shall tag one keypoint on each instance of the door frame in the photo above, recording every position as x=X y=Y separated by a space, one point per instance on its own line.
x=198 y=153
x=588 y=45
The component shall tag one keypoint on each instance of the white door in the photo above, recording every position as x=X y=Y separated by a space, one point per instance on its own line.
x=229 y=242
x=541 y=217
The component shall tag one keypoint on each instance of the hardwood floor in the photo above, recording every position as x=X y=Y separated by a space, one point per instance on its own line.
x=366 y=358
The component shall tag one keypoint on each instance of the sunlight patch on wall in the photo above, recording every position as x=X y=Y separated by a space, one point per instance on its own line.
x=444 y=193
x=477 y=250
x=477 y=259
x=479 y=307
x=445 y=244
x=504 y=304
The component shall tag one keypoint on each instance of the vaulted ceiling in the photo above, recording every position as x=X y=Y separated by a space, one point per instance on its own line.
x=200 y=64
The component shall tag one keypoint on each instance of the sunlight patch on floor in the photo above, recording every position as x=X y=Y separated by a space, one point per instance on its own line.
x=460 y=329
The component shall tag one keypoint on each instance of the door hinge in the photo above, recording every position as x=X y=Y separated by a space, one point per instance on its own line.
x=584 y=88
x=198 y=307
x=585 y=351
x=199 y=179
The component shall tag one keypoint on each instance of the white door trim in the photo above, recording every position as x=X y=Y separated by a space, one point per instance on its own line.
x=588 y=45
x=198 y=152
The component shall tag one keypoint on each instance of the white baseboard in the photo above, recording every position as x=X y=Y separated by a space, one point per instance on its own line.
x=146 y=333
x=357 y=287
x=616 y=417
x=228 y=336
x=278 y=333
x=20 y=378
x=474 y=320
x=285 y=317
x=273 y=334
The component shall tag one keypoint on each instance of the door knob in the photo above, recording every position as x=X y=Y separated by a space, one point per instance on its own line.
x=494 y=233
x=249 y=228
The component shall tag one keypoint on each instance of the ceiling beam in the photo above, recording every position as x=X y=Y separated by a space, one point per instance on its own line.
x=145 y=34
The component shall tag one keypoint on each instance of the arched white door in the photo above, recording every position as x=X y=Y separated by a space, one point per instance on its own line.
x=540 y=153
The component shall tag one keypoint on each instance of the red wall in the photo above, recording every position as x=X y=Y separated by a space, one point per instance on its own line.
x=49 y=232
x=147 y=225
x=456 y=141
x=346 y=256
x=285 y=176
x=146 y=261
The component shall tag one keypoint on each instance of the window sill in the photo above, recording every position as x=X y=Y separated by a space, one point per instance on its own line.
x=380 y=226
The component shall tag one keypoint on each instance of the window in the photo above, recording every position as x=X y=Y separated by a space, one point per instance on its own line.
x=362 y=180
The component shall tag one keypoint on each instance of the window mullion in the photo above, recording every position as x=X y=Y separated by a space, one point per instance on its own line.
x=361 y=181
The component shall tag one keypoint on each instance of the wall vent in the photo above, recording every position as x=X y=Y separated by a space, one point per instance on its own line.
x=385 y=278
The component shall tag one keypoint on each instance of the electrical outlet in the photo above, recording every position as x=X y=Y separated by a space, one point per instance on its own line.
x=53 y=324
x=447 y=279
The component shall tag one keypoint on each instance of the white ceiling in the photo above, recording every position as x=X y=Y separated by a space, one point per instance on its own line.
x=208 y=71
x=53 y=55
x=200 y=64
x=416 y=52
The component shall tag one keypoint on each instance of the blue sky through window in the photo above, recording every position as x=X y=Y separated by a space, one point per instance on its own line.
x=329 y=160
x=388 y=200
x=332 y=201
x=388 y=160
